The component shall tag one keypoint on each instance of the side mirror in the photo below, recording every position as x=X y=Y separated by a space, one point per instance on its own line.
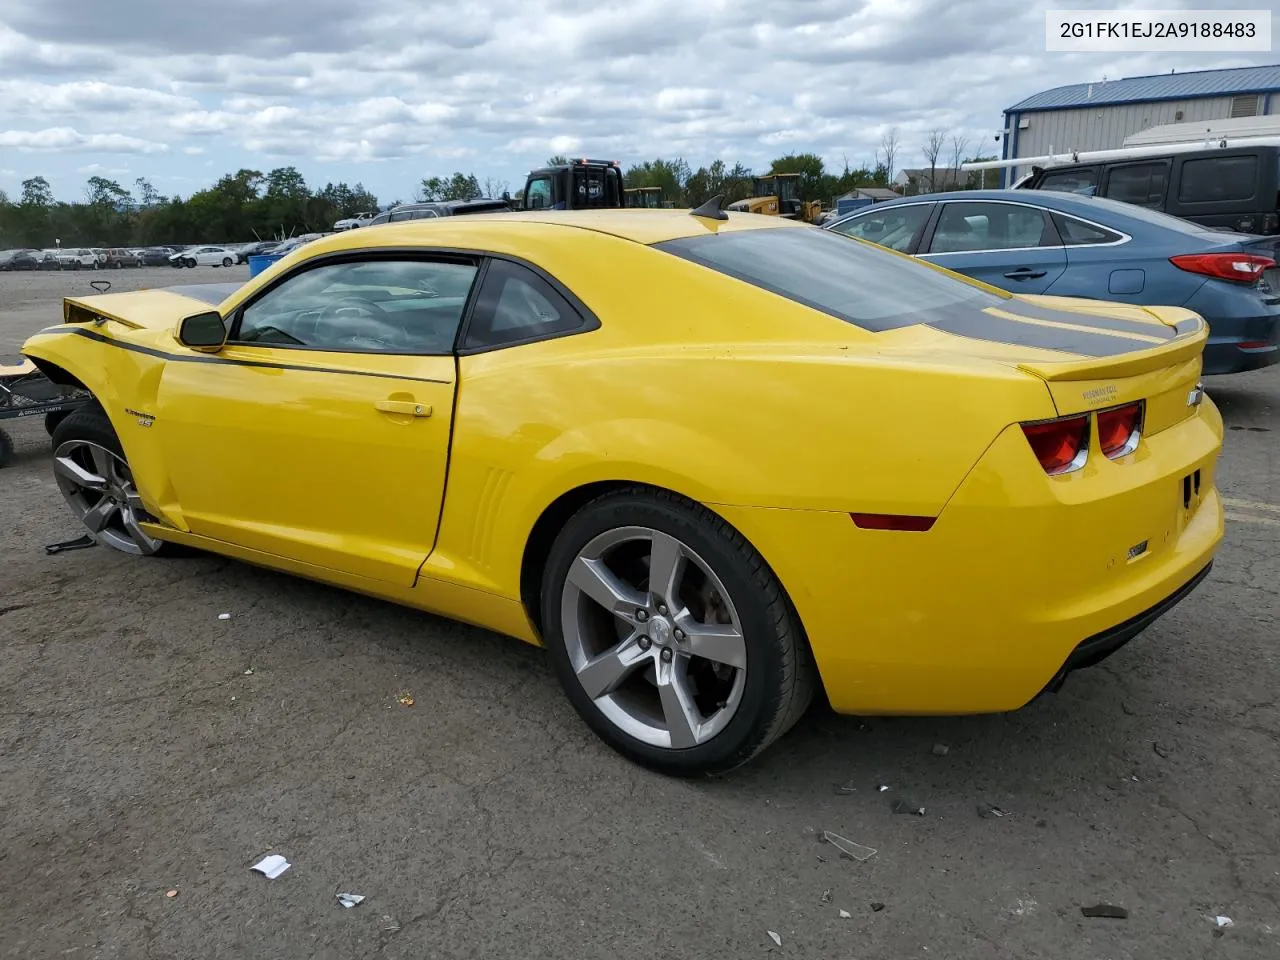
x=203 y=331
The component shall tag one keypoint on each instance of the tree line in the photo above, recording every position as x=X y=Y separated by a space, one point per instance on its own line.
x=239 y=207
x=249 y=204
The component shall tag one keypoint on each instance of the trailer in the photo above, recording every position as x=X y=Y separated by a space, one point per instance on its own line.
x=26 y=392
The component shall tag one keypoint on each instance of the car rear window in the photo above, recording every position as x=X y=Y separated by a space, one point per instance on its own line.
x=857 y=281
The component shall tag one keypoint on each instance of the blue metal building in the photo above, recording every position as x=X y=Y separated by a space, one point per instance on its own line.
x=1098 y=116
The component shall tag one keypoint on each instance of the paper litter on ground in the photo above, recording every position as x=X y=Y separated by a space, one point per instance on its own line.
x=272 y=866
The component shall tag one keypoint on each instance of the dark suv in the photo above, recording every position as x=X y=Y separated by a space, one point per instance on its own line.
x=1233 y=188
x=439 y=208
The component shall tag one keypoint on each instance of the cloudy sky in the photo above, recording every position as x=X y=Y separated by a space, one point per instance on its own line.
x=391 y=91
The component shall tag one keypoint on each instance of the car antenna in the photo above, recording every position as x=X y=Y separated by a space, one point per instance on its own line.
x=712 y=209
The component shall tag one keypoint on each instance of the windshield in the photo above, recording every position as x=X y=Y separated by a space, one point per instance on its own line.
x=858 y=282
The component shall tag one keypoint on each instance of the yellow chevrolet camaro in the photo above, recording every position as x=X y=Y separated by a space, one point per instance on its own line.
x=712 y=462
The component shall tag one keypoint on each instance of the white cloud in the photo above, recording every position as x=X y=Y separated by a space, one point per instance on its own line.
x=67 y=138
x=394 y=90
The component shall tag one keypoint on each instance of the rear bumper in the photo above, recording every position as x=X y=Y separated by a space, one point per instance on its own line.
x=1020 y=576
x=1223 y=355
x=1102 y=645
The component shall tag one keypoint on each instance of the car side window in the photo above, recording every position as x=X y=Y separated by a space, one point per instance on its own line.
x=1084 y=182
x=894 y=227
x=1219 y=180
x=1141 y=184
x=973 y=226
x=516 y=305
x=1075 y=232
x=367 y=306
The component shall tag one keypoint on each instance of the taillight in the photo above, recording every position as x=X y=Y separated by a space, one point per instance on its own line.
x=1240 y=267
x=1061 y=446
x=1119 y=430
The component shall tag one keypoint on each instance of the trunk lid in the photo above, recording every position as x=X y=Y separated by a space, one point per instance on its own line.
x=1090 y=355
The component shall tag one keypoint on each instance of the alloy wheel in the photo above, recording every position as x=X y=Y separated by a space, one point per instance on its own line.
x=99 y=488
x=653 y=637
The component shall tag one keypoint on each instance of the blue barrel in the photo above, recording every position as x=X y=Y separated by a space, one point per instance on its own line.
x=261 y=261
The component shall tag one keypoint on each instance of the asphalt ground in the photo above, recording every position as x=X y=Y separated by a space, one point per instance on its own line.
x=147 y=746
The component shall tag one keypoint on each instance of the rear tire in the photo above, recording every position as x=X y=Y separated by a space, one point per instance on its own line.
x=694 y=674
x=227 y=262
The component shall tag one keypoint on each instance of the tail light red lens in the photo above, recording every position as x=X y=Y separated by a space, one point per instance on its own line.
x=1119 y=430
x=1061 y=445
x=1240 y=267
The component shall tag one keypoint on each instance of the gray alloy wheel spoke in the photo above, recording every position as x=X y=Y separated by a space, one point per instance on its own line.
x=666 y=568
x=68 y=468
x=105 y=462
x=678 y=709
x=605 y=673
x=97 y=516
x=599 y=583
x=717 y=642
x=129 y=517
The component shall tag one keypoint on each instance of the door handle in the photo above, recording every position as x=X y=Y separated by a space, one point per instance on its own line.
x=1025 y=273
x=405 y=408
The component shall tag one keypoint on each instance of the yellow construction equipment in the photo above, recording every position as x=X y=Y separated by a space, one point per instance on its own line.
x=778 y=195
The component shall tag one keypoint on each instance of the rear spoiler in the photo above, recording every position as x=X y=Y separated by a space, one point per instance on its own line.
x=1187 y=345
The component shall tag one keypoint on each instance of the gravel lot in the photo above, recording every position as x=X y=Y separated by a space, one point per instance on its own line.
x=147 y=746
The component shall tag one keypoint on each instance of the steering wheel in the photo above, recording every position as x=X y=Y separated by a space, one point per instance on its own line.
x=342 y=321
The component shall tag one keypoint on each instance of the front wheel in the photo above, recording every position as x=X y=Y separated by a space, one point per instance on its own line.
x=670 y=635
x=94 y=477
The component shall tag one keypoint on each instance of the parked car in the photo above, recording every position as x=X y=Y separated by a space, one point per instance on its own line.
x=118 y=258
x=20 y=260
x=1233 y=188
x=353 y=223
x=154 y=256
x=439 y=208
x=73 y=258
x=243 y=253
x=204 y=257
x=1069 y=245
x=49 y=260
x=292 y=244
x=972 y=466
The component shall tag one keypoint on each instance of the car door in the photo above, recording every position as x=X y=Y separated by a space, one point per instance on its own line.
x=898 y=227
x=1009 y=245
x=320 y=431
